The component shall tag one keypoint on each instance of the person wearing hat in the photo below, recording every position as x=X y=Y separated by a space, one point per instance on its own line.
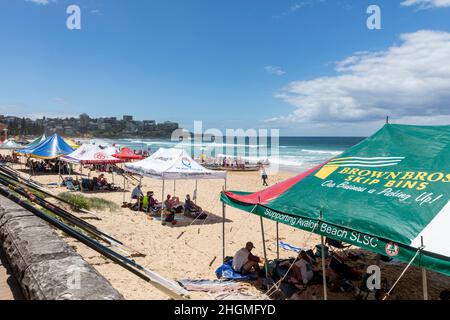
x=244 y=261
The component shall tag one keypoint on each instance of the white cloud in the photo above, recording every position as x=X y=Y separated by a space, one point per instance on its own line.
x=293 y=8
x=274 y=70
x=426 y=4
x=41 y=2
x=411 y=79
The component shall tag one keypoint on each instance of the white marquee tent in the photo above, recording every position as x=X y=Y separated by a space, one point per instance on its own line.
x=172 y=164
x=92 y=154
x=10 y=145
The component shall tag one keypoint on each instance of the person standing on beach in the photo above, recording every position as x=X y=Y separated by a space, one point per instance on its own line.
x=264 y=177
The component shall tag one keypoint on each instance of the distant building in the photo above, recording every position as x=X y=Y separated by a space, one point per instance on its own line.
x=3 y=133
x=167 y=126
x=149 y=125
x=105 y=126
x=84 y=125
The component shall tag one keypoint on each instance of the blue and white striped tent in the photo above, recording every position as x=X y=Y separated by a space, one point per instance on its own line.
x=53 y=147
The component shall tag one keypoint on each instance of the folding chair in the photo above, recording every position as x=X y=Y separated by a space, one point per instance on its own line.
x=337 y=245
x=70 y=186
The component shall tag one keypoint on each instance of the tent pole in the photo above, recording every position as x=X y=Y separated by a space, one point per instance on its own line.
x=324 y=270
x=224 y=188
x=196 y=192
x=278 y=242
x=223 y=229
x=162 y=199
x=264 y=247
x=124 y=188
x=424 y=279
x=139 y=199
x=174 y=187
x=59 y=172
x=324 y=274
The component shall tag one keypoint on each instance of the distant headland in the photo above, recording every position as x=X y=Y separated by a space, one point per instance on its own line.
x=85 y=126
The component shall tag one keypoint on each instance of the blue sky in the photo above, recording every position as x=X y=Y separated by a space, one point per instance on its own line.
x=306 y=67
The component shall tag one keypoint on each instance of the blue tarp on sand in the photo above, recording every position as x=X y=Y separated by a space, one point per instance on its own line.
x=226 y=271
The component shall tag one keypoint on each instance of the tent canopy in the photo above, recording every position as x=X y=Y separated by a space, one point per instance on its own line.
x=172 y=164
x=10 y=144
x=37 y=141
x=127 y=154
x=51 y=148
x=92 y=154
x=385 y=195
x=71 y=143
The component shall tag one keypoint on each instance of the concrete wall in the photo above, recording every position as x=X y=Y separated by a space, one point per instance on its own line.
x=46 y=267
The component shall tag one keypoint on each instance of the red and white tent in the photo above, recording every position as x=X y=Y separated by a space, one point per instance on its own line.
x=93 y=154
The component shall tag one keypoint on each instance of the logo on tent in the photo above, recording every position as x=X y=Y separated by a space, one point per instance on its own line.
x=391 y=249
x=373 y=162
x=100 y=156
x=186 y=162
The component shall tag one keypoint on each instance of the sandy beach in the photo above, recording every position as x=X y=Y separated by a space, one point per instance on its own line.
x=194 y=251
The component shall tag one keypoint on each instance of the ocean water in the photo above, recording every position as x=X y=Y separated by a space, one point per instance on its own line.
x=292 y=154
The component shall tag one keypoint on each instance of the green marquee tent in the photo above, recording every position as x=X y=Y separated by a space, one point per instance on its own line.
x=389 y=194
x=37 y=141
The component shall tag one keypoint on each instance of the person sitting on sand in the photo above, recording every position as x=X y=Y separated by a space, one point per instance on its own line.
x=244 y=261
x=154 y=204
x=173 y=204
x=95 y=185
x=102 y=180
x=150 y=203
x=302 y=270
x=190 y=206
x=137 y=192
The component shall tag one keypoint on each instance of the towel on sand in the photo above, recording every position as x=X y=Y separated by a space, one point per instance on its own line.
x=216 y=286
x=287 y=246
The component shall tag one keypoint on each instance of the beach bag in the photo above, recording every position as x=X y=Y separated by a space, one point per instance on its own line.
x=343 y=270
x=170 y=217
x=178 y=209
x=201 y=215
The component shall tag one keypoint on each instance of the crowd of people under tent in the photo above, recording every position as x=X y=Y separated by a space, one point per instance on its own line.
x=48 y=166
x=9 y=158
x=170 y=207
x=99 y=183
x=297 y=274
